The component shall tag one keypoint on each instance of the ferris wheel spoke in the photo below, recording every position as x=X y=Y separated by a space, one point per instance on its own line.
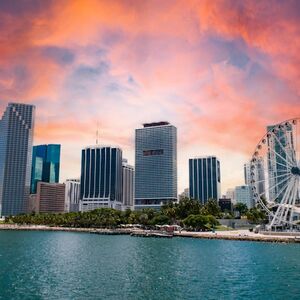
x=276 y=162
x=272 y=178
x=275 y=177
x=282 y=206
x=293 y=144
x=282 y=147
x=288 y=203
x=278 y=183
x=281 y=190
x=280 y=209
x=276 y=153
x=275 y=185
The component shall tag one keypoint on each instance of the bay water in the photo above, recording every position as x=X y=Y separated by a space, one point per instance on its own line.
x=68 y=265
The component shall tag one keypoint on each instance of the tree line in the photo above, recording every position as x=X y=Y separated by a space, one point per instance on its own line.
x=187 y=213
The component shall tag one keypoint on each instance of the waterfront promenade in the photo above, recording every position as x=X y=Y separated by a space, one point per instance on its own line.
x=239 y=235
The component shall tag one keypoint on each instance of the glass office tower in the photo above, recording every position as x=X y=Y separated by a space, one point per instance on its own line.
x=45 y=165
x=16 y=135
x=101 y=178
x=204 y=178
x=155 y=165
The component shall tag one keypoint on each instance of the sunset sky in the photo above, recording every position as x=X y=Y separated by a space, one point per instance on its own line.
x=220 y=71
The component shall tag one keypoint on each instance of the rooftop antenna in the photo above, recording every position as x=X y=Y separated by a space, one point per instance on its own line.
x=97 y=133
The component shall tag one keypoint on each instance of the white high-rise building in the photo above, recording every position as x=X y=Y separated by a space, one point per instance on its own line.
x=127 y=185
x=72 y=195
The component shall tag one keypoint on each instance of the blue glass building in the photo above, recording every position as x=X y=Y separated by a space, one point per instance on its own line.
x=155 y=165
x=101 y=178
x=204 y=178
x=45 y=165
x=16 y=135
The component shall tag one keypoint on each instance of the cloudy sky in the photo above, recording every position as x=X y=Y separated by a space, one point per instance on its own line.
x=220 y=71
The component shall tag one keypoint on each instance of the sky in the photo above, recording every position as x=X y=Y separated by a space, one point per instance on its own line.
x=220 y=71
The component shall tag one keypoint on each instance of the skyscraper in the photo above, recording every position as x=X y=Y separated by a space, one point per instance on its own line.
x=127 y=185
x=204 y=178
x=155 y=165
x=45 y=165
x=101 y=178
x=16 y=135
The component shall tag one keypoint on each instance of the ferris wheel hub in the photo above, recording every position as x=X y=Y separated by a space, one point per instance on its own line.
x=295 y=171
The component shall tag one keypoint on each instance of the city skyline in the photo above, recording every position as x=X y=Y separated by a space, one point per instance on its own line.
x=220 y=78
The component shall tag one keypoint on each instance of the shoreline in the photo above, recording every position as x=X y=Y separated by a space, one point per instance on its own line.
x=236 y=235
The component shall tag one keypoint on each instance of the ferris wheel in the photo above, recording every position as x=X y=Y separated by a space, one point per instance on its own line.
x=275 y=174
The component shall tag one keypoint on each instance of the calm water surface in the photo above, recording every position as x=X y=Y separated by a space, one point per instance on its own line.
x=64 y=265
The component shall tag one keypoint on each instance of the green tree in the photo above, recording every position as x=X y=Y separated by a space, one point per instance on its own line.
x=187 y=207
x=211 y=207
x=196 y=222
x=160 y=219
x=255 y=215
x=241 y=208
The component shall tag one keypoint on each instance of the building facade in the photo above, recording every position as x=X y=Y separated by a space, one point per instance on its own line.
x=72 y=196
x=243 y=194
x=230 y=194
x=155 y=165
x=204 y=178
x=127 y=185
x=16 y=137
x=50 y=197
x=101 y=178
x=45 y=165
